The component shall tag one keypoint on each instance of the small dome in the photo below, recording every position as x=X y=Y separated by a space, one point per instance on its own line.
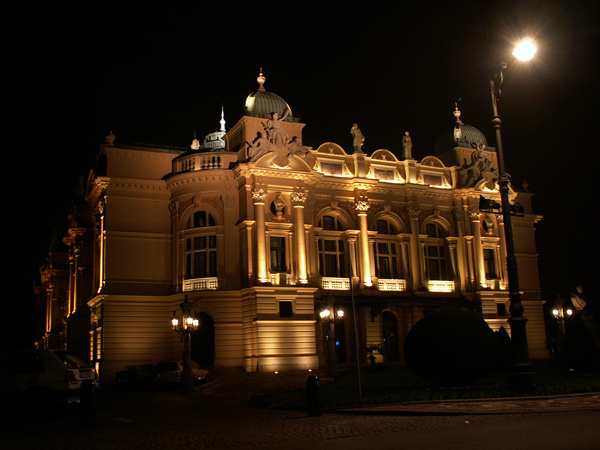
x=461 y=135
x=263 y=104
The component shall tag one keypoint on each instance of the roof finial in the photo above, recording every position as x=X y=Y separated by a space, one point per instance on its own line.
x=195 y=143
x=222 y=119
x=456 y=112
x=261 y=81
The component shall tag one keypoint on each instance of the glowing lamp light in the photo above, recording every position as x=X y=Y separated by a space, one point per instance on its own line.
x=525 y=50
x=555 y=312
x=569 y=312
x=325 y=314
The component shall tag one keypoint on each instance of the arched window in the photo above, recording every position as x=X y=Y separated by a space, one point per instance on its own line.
x=201 y=246
x=385 y=250
x=332 y=260
x=436 y=260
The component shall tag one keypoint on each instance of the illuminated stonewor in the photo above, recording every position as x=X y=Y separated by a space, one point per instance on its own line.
x=260 y=232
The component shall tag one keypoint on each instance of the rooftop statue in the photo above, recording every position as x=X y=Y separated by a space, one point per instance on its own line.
x=406 y=146
x=359 y=139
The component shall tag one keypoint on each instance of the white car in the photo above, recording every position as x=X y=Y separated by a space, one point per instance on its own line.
x=169 y=372
x=43 y=379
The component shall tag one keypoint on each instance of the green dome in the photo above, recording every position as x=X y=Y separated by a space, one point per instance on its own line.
x=460 y=135
x=263 y=104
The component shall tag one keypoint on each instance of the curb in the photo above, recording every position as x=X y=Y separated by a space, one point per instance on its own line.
x=493 y=406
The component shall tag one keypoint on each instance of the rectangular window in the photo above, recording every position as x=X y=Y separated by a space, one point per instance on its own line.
x=278 y=263
x=201 y=257
x=331 y=258
x=489 y=261
x=435 y=261
x=386 y=260
x=286 y=309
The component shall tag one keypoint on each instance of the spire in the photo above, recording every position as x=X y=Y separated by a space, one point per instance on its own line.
x=222 y=119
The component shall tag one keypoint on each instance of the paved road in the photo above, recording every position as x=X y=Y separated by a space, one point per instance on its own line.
x=216 y=416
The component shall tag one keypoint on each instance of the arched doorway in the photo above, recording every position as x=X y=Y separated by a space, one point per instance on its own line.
x=203 y=341
x=391 y=349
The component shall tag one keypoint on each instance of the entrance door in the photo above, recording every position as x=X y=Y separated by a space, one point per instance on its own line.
x=390 y=336
x=203 y=342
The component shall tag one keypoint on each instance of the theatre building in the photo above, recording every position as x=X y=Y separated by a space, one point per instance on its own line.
x=260 y=233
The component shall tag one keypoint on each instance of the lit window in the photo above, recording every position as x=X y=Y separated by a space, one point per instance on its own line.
x=332 y=262
x=436 y=261
x=385 y=250
x=201 y=247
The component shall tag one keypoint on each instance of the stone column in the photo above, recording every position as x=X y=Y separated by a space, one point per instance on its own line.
x=461 y=253
x=352 y=255
x=298 y=201
x=478 y=250
x=177 y=275
x=258 y=197
x=404 y=256
x=503 y=267
x=362 y=206
x=415 y=248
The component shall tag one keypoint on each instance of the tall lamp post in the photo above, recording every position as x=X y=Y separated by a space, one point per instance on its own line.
x=185 y=328
x=522 y=374
x=328 y=315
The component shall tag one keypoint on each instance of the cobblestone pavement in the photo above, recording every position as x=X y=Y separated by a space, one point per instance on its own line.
x=216 y=416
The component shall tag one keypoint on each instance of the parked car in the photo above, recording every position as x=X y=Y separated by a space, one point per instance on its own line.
x=140 y=375
x=169 y=372
x=43 y=379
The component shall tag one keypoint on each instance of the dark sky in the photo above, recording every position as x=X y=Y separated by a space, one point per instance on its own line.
x=156 y=75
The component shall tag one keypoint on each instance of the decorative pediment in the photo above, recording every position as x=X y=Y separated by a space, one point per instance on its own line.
x=331 y=148
x=384 y=155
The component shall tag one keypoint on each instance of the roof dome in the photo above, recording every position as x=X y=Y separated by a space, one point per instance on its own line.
x=461 y=135
x=263 y=104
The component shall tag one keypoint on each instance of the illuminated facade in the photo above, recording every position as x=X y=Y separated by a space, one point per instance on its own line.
x=260 y=233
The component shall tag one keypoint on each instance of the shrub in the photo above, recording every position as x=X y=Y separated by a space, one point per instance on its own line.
x=452 y=347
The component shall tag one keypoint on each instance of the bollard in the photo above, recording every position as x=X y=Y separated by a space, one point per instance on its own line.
x=313 y=396
x=87 y=403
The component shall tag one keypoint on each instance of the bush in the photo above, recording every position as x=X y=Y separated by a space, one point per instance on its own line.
x=452 y=347
x=580 y=350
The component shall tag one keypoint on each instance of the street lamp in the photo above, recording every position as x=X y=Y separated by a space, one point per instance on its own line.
x=185 y=328
x=328 y=315
x=560 y=314
x=521 y=374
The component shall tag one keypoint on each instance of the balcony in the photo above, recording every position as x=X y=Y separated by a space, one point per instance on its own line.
x=440 y=286
x=391 y=285
x=201 y=284
x=193 y=162
x=335 y=284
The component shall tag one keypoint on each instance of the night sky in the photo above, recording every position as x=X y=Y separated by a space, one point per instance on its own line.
x=158 y=75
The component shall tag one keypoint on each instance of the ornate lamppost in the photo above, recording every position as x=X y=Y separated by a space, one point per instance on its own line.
x=522 y=374
x=328 y=316
x=561 y=313
x=185 y=328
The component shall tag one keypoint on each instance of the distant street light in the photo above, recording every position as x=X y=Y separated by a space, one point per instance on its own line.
x=328 y=315
x=522 y=374
x=185 y=328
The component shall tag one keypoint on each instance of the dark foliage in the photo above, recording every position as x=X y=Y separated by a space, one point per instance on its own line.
x=451 y=347
x=580 y=350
